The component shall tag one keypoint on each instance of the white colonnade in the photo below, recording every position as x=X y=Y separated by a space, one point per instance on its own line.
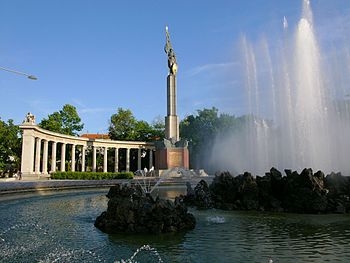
x=40 y=153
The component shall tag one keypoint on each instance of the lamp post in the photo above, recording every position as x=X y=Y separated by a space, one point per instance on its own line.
x=32 y=77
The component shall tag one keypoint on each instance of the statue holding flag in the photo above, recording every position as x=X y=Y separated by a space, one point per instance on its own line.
x=171 y=54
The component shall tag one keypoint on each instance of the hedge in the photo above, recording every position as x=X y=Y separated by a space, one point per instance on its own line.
x=90 y=175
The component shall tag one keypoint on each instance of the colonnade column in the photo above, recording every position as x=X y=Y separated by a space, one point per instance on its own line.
x=94 y=158
x=73 y=158
x=28 y=148
x=139 y=159
x=116 y=160
x=127 y=168
x=105 y=156
x=150 y=158
x=83 y=159
x=63 y=157
x=45 y=156
x=37 y=155
x=53 y=157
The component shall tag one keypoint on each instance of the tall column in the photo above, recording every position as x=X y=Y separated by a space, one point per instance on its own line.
x=94 y=158
x=73 y=158
x=150 y=158
x=53 y=156
x=171 y=120
x=127 y=168
x=105 y=156
x=45 y=156
x=28 y=150
x=139 y=159
x=116 y=160
x=63 y=157
x=37 y=155
x=83 y=152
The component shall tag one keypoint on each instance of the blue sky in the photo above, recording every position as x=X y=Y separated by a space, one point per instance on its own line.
x=101 y=55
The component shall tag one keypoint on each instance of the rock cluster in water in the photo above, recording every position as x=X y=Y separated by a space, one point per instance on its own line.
x=131 y=210
x=306 y=192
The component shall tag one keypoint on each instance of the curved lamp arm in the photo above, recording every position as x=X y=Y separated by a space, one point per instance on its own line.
x=20 y=73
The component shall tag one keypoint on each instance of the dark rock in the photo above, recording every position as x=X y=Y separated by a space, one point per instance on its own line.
x=339 y=192
x=277 y=184
x=224 y=190
x=306 y=192
x=239 y=192
x=130 y=210
x=248 y=192
x=271 y=190
x=199 y=197
x=202 y=197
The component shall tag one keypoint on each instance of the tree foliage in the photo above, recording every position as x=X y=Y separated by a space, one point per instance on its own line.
x=65 y=121
x=202 y=129
x=10 y=145
x=124 y=126
x=158 y=126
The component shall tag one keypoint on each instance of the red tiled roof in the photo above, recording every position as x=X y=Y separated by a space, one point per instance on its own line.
x=95 y=136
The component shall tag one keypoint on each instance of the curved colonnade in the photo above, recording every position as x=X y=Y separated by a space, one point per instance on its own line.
x=38 y=160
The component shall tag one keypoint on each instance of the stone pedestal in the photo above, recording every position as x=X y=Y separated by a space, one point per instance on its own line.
x=171 y=155
x=169 y=158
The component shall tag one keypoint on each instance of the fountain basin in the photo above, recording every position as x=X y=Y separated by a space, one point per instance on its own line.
x=57 y=226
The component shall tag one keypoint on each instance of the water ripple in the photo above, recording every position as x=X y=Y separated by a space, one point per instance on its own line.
x=60 y=229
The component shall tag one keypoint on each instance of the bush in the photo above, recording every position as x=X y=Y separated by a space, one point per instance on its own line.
x=91 y=175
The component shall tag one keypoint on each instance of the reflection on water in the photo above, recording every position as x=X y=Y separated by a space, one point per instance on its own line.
x=58 y=227
x=170 y=192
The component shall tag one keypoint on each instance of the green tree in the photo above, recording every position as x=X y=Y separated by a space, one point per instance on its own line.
x=158 y=126
x=10 y=146
x=143 y=131
x=124 y=126
x=202 y=129
x=65 y=121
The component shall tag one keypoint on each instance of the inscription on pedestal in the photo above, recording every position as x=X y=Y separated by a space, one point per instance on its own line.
x=175 y=159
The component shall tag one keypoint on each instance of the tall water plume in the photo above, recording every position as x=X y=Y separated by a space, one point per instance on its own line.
x=309 y=127
x=310 y=115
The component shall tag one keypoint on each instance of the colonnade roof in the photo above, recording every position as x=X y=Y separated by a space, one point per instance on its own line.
x=37 y=132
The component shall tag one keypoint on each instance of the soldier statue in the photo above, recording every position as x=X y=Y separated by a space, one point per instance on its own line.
x=171 y=54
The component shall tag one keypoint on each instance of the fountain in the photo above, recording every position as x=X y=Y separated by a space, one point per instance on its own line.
x=310 y=123
x=143 y=248
x=57 y=226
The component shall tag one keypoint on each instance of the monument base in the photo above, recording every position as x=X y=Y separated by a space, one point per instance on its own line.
x=170 y=155
x=169 y=158
x=181 y=173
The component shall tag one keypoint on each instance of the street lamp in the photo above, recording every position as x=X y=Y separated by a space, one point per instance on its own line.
x=20 y=73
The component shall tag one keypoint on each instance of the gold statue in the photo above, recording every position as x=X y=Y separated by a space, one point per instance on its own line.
x=171 y=54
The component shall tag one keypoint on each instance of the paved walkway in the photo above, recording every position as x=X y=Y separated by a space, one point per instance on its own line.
x=16 y=186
